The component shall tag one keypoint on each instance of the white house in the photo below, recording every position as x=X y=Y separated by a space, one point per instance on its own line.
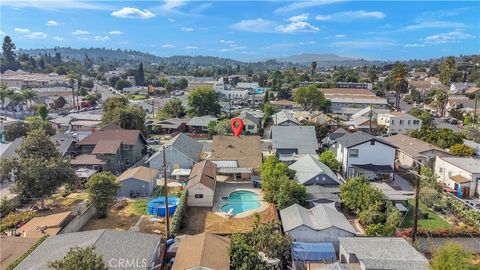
x=363 y=154
x=398 y=122
x=322 y=223
x=201 y=184
x=461 y=174
x=250 y=122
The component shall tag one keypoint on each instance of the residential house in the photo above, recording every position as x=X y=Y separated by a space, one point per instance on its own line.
x=65 y=144
x=138 y=182
x=285 y=118
x=320 y=181
x=182 y=152
x=395 y=196
x=284 y=104
x=110 y=149
x=118 y=249
x=381 y=253
x=199 y=124
x=331 y=137
x=363 y=154
x=250 y=123
x=460 y=174
x=322 y=223
x=365 y=119
x=291 y=141
x=201 y=184
x=458 y=88
x=410 y=150
x=168 y=126
x=355 y=85
x=348 y=101
x=38 y=227
x=203 y=251
x=237 y=157
x=398 y=122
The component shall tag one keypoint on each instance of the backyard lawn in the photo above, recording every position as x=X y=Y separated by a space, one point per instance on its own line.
x=137 y=97
x=121 y=216
x=434 y=221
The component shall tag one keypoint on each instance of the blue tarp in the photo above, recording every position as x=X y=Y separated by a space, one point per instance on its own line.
x=313 y=251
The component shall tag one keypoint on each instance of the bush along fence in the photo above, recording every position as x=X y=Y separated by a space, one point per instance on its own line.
x=179 y=215
x=469 y=216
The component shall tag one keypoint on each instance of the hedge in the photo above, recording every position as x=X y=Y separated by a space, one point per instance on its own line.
x=469 y=216
x=24 y=255
x=179 y=215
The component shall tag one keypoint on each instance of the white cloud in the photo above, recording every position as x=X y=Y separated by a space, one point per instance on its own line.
x=304 y=4
x=52 y=23
x=445 y=12
x=255 y=25
x=434 y=24
x=451 y=37
x=36 y=35
x=171 y=20
x=2 y=33
x=115 y=32
x=233 y=48
x=56 y=4
x=299 y=18
x=80 y=32
x=362 y=44
x=351 y=15
x=187 y=29
x=83 y=38
x=130 y=12
x=298 y=26
x=288 y=45
x=227 y=41
x=168 y=46
x=414 y=45
x=22 y=30
x=190 y=47
x=101 y=38
x=340 y=35
x=58 y=38
x=172 y=4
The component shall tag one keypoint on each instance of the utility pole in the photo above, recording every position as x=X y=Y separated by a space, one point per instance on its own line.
x=417 y=195
x=167 y=225
x=370 y=120
x=475 y=110
x=153 y=107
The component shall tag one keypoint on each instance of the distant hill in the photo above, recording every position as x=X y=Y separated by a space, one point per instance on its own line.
x=310 y=57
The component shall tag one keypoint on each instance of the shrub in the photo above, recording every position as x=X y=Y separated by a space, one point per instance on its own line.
x=469 y=216
x=179 y=214
x=6 y=206
x=13 y=219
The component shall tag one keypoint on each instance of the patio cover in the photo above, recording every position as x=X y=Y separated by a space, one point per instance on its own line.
x=181 y=172
x=302 y=251
x=374 y=168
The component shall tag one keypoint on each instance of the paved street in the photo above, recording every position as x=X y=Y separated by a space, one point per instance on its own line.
x=103 y=91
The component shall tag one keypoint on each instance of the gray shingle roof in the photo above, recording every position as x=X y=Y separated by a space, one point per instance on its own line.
x=110 y=244
x=64 y=141
x=283 y=116
x=359 y=137
x=184 y=144
x=302 y=138
x=247 y=115
x=201 y=121
x=384 y=253
x=320 y=217
x=308 y=167
x=468 y=164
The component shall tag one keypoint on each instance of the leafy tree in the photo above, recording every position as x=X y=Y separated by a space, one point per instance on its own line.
x=472 y=133
x=447 y=71
x=78 y=258
x=120 y=84
x=398 y=77
x=310 y=98
x=4 y=93
x=328 y=158
x=289 y=193
x=174 y=108
x=243 y=255
x=39 y=123
x=88 y=84
x=40 y=169
x=140 y=75
x=43 y=112
x=117 y=110
x=16 y=130
x=182 y=83
x=313 y=66
x=102 y=187
x=468 y=120
x=358 y=193
x=221 y=127
x=371 y=215
x=59 y=103
x=461 y=150
x=6 y=206
x=452 y=256
x=203 y=101
x=427 y=118
x=8 y=55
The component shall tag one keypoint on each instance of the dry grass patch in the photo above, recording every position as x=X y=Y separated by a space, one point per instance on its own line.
x=119 y=218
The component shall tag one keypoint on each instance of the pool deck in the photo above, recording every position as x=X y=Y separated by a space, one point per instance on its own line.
x=223 y=189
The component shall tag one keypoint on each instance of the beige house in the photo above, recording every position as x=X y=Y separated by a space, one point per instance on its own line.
x=201 y=184
x=460 y=174
x=398 y=122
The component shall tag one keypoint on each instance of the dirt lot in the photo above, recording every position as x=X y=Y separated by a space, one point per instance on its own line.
x=58 y=203
x=200 y=219
x=119 y=218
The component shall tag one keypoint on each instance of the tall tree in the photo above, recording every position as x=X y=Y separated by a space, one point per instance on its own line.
x=313 y=66
x=19 y=98
x=102 y=187
x=4 y=93
x=174 y=108
x=8 y=55
x=440 y=100
x=29 y=95
x=40 y=169
x=71 y=79
x=117 y=110
x=328 y=158
x=310 y=98
x=398 y=77
x=140 y=75
x=43 y=111
x=452 y=256
x=447 y=71
x=78 y=258
x=203 y=101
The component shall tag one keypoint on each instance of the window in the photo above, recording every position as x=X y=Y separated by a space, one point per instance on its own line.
x=440 y=170
x=409 y=122
x=353 y=153
x=401 y=122
x=416 y=122
x=392 y=122
x=372 y=142
x=198 y=196
x=250 y=127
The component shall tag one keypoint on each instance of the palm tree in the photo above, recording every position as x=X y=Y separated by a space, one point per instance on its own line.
x=29 y=94
x=313 y=65
x=18 y=97
x=71 y=80
x=440 y=101
x=399 y=76
x=4 y=93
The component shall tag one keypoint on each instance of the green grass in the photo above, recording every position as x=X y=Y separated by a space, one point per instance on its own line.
x=434 y=221
x=137 y=97
x=140 y=206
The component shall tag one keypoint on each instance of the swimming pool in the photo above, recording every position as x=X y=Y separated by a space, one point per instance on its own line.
x=241 y=201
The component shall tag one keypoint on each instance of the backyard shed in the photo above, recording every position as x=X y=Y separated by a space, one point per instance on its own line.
x=138 y=181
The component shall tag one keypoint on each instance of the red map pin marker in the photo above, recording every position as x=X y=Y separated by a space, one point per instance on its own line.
x=237 y=126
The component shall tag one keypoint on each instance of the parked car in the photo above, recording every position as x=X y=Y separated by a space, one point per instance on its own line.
x=153 y=141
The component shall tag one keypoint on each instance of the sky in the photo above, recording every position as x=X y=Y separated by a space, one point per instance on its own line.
x=249 y=30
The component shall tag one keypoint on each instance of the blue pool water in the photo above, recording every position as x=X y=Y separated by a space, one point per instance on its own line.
x=241 y=201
